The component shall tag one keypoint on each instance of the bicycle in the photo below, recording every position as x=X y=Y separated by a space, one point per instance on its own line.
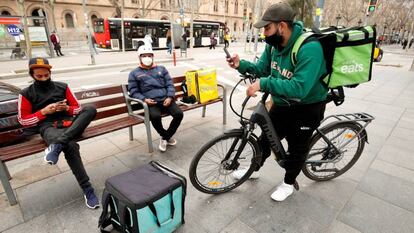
x=337 y=142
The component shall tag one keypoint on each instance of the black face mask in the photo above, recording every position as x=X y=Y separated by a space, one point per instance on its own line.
x=275 y=39
x=45 y=83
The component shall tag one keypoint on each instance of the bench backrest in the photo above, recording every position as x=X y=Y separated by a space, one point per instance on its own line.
x=109 y=101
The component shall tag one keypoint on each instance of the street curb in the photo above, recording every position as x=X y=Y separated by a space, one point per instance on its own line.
x=24 y=73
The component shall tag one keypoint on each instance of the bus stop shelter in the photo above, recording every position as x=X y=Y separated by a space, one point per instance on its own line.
x=13 y=42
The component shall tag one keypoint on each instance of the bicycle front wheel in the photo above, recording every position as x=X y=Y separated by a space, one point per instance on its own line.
x=212 y=167
x=324 y=162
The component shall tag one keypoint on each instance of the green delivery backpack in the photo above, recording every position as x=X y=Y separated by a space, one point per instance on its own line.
x=348 y=52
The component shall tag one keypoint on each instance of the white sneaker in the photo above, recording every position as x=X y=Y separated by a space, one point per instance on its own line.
x=172 y=142
x=282 y=192
x=238 y=174
x=163 y=145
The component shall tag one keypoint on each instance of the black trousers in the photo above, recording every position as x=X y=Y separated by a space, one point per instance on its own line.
x=66 y=137
x=296 y=124
x=155 y=116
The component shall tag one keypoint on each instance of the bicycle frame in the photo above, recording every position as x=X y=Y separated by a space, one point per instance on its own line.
x=260 y=116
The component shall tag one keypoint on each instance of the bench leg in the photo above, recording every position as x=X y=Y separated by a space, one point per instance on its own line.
x=4 y=177
x=149 y=137
x=224 y=110
x=131 y=134
x=203 y=113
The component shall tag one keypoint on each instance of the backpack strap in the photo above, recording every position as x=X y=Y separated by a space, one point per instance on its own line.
x=298 y=43
x=105 y=218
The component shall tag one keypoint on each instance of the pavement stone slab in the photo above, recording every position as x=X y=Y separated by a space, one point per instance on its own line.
x=334 y=193
x=238 y=226
x=397 y=154
x=393 y=170
x=45 y=223
x=266 y=215
x=122 y=141
x=48 y=194
x=9 y=215
x=389 y=188
x=29 y=171
x=407 y=119
x=368 y=214
x=340 y=227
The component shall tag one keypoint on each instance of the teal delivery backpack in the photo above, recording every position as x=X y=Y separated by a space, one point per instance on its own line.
x=148 y=199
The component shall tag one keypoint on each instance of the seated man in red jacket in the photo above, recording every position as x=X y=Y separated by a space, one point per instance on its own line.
x=55 y=110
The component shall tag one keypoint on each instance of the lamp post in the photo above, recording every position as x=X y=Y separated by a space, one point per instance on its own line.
x=338 y=17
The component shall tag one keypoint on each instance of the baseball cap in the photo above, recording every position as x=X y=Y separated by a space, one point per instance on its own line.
x=276 y=13
x=39 y=62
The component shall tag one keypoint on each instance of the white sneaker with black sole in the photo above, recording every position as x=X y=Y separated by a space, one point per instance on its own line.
x=282 y=192
x=238 y=174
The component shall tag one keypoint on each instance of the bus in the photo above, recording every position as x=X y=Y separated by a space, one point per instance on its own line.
x=108 y=34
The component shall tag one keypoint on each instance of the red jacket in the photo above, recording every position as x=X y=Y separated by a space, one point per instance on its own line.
x=33 y=98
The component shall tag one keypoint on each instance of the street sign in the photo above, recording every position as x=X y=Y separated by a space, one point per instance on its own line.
x=13 y=30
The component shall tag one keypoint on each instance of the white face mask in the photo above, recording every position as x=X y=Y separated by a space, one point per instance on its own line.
x=147 y=61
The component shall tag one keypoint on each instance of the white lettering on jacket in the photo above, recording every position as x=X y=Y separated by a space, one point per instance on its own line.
x=285 y=72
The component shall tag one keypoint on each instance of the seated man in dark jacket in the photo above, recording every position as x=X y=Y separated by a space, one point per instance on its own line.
x=153 y=85
x=55 y=110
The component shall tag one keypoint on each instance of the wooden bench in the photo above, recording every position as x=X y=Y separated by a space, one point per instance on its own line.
x=112 y=115
x=116 y=110
x=133 y=104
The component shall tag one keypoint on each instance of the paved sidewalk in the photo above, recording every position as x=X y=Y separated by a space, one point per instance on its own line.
x=376 y=195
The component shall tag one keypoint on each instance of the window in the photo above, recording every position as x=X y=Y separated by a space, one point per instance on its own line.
x=134 y=1
x=235 y=27
x=98 y=26
x=172 y=3
x=215 y=6
x=5 y=12
x=93 y=18
x=226 y=6
x=69 y=20
x=163 y=4
x=236 y=7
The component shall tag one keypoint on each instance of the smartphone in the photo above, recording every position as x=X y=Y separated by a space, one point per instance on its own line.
x=227 y=52
x=61 y=102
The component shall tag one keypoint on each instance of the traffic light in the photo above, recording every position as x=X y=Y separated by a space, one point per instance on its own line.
x=372 y=6
x=250 y=16
x=245 y=14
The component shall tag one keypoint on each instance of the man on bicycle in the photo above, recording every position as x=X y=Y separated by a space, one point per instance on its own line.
x=298 y=95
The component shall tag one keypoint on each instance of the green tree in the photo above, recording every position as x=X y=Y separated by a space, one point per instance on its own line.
x=304 y=10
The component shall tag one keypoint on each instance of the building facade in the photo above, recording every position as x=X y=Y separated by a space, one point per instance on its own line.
x=67 y=16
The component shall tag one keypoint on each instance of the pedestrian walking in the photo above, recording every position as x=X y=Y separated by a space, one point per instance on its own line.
x=213 y=41
x=54 y=38
x=169 y=42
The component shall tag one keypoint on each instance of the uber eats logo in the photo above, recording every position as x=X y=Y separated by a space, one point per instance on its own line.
x=353 y=66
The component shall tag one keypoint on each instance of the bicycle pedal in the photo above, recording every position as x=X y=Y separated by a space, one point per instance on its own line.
x=296 y=185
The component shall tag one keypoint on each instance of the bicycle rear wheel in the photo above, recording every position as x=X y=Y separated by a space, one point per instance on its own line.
x=210 y=170
x=324 y=162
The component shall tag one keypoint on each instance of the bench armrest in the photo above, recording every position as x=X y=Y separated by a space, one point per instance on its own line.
x=224 y=90
x=129 y=99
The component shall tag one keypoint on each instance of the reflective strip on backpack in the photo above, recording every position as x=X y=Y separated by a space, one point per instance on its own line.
x=297 y=45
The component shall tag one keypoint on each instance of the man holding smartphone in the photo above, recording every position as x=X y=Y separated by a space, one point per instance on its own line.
x=153 y=85
x=298 y=95
x=54 y=109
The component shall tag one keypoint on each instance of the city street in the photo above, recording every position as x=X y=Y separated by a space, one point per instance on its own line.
x=375 y=195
